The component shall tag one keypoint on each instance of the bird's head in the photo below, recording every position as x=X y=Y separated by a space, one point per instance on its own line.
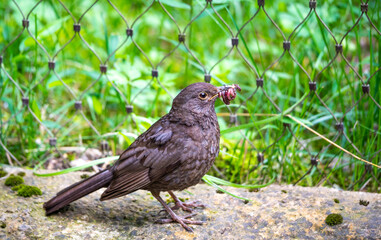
x=200 y=97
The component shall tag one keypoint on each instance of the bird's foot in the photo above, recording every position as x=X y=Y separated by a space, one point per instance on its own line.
x=182 y=220
x=174 y=218
x=186 y=206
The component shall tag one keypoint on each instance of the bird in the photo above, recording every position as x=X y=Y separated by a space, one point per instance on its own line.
x=172 y=155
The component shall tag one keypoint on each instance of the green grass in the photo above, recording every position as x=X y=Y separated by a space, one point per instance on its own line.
x=128 y=69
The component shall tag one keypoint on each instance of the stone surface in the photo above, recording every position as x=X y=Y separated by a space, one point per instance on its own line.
x=275 y=212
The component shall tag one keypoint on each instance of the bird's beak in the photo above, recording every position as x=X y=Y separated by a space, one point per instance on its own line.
x=219 y=89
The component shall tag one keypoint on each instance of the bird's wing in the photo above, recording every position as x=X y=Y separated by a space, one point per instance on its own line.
x=151 y=156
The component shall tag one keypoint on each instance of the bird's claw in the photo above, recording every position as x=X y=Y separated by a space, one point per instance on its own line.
x=182 y=220
x=186 y=206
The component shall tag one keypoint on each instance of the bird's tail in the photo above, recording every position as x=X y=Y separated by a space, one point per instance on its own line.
x=78 y=190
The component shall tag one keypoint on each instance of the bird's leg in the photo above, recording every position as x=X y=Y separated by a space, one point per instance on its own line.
x=175 y=218
x=184 y=206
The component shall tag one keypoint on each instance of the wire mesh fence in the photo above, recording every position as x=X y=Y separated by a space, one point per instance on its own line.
x=64 y=84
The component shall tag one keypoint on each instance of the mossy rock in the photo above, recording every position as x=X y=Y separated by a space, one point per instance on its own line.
x=3 y=173
x=84 y=176
x=28 y=191
x=17 y=187
x=364 y=203
x=333 y=219
x=13 y=180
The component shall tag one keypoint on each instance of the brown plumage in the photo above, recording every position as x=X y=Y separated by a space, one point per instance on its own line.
x=173 y=154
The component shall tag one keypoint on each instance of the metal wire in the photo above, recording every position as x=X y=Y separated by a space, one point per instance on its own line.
x=261 y=79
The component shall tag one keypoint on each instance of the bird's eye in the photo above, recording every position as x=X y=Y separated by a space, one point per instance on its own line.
x=202 y=95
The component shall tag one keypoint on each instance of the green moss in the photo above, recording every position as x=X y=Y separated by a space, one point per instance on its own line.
x=333 y=219
x=253 y=189
x=170 y=200
x=17 y=187
x=13 y=180
x=3 y=173
x=336 y=200
x=364 y=203
x=84 y=176
x=21 y=174
x=284 y=191
x=2 y=224
x=27 y=191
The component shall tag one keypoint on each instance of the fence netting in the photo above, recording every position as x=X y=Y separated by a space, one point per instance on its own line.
x=68 y=67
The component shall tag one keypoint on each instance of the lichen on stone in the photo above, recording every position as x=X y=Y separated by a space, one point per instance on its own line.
x=333 y=219
x=13 y=180
x=28 y=191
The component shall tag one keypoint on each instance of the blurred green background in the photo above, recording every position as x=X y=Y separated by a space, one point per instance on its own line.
x=209 y=40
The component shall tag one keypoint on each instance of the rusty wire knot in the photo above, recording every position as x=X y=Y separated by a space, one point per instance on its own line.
x=207 y=77
x=78 y=105
x=181 y=37
x=129 y=109
x=259 y=82
x=339 y=127
x=25 y=23
x=233 y=118
x=103 y=68
x=235 y=42
x=312 y=4
x=286 y=45
x=364 y=7
x=365 y=88
x=25 y=101
x=129 y=32
x=312 y=86
x=260 y=157
x=155 y=73
x=104 y=146
x=53 y=141
x=51 y=65
x=339 y=48
x=77 y=27
x=314 y=161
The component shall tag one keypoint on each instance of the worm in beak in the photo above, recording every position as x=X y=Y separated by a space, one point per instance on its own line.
x=227 y=93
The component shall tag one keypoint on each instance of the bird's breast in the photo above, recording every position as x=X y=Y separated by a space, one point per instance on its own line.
x=200 y=149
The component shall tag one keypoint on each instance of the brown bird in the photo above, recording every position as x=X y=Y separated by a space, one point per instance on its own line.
x=173 y=154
